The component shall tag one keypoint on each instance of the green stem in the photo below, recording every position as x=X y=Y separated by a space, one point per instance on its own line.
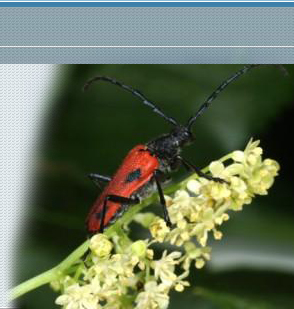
x=59 y=270
x=51 y=274
x=33 y=283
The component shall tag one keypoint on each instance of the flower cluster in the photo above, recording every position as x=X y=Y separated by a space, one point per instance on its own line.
x=202 y=205
x=130 y=279
x=120 y=273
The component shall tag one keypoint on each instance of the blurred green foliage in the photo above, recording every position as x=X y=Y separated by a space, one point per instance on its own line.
x=253 y=265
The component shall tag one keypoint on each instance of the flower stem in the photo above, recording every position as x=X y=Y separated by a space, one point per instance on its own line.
x=33 y=283
x=51 y=274
x=59 y=270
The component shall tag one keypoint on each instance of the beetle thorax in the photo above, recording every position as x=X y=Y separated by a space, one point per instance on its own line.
x=169 y=146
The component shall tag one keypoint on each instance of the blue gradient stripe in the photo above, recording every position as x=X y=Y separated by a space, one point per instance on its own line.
x=146 y=4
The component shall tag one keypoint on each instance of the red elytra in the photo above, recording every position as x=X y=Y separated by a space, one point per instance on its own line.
x=147 y=166
x=139 y=163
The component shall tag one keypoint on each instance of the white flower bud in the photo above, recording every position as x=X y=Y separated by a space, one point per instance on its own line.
x=100 y=245
x=238 y=156
x=139 y=248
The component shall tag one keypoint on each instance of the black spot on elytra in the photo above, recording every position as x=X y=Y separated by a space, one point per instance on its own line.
x=133 y=175
x=98 y=215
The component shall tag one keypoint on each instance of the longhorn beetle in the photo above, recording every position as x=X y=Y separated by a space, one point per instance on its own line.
x=146 y=166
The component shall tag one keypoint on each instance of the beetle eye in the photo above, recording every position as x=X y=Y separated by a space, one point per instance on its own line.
x=186 y=134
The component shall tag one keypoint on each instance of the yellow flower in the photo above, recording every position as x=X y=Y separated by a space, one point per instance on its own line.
x=76 y=297
x=100 y=245
x=139 y=248
x=165 y=267
x=153 y=297
x=159 y=229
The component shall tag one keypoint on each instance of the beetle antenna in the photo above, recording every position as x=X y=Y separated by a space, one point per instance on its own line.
x=218 y=90
x=135 y=93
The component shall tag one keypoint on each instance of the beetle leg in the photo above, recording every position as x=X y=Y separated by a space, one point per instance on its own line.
x=97 y=178
x=162 y=199
x=116 y=199
x=190 y=166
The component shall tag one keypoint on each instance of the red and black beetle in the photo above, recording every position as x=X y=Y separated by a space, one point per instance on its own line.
x=146 y=166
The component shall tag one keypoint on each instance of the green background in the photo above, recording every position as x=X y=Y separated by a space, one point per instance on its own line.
x=253 y=265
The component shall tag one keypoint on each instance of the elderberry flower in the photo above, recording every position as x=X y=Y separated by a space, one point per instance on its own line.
x=165 y=267
x=139 y=248
x=76 y=297
x=100 y=245
x=153 y=297
x=159 y=229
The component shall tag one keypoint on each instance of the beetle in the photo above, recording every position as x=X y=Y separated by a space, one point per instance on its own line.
x=147 y=166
